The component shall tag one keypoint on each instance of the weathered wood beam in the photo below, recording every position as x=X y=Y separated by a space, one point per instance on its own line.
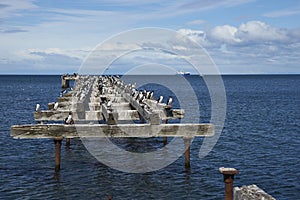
x=109 y=116
x=94 y=115
x=102 y=130
x=64 y=99
x=152 y=117
x=177 y=113
x=54 y=115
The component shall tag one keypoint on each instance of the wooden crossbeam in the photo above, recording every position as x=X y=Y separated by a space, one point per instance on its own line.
x=103 y=130
x=152 y=117
x=53 y=115
x=96 y=115
x=109 y=116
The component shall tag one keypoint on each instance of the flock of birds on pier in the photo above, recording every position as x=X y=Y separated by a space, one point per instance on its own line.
x=103 y=85
x=138 y=95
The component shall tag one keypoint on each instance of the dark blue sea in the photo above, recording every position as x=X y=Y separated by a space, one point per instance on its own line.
x=261 y=138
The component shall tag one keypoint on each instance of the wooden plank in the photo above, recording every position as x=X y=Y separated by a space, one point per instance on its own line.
x=127 y=115
x=95 y=106
x=93 y=115
x=103 y=130
x=52 y=115
x=90 y=115
x=109 y=116
x=64 y=99
x=152 y=117
x=153 y=104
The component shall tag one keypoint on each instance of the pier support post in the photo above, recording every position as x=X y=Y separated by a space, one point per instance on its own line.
x=57 y=143
x=165 y=139
x=187 y=142
x=64 y=83
x=68 y=142
x=228 y=174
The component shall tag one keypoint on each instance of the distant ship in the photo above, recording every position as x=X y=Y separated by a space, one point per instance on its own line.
x=183 y=73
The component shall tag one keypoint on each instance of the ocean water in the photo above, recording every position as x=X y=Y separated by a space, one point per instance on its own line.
x=260 y=138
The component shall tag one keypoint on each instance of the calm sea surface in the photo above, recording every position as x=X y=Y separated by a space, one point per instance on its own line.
x=261 y=138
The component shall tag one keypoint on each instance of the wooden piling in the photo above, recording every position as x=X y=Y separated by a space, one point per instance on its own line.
x=228 y=175
x=165 y=139
x=68 y=143
x=65 y=83
x=57 y=143
x=187 y=142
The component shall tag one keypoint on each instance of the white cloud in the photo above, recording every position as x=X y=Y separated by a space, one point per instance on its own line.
x=283 y=12
x=250 y=32
x=253 y=46
x=257 y=31
x=196 y=22
x=41 y=54
x=212 y=4
x=196 y=35
x=9 y=8
x=225 y=34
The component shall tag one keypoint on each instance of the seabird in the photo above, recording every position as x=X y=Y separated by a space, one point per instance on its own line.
x=141 y=95
x=145 y=92
x=151 y=95
x=148 y=94
x=134 y=85
x=37 y=107
x=69 y=119
x=141 y=100
x=145 y=107
x=55 y=106
x=159 y=100
x=133 y=92
x=108 y=104
x=169 y=102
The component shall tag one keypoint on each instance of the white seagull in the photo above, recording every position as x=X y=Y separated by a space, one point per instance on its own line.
x=159 y=100
x=169 y=102
x=37 y=107
x=108 y=104
x=55 y=106
x=151 y=95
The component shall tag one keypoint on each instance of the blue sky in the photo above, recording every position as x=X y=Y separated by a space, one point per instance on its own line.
x=241 y=36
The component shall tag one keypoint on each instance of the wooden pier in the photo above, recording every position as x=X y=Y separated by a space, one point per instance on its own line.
x=104 y=106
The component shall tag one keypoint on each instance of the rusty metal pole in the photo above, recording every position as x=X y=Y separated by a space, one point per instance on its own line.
x=165 y=139
x=57 y=143
x=228 y=174
x=187 y=142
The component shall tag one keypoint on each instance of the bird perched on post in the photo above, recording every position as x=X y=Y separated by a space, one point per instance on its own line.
x=37 y=107
x=159 y=100
x=55 y=106
x=69 y=119
x=109 y=104
x=140 y=96
x=142 y=99
x=169 y=102
x=145 y=93
x=150 y=96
